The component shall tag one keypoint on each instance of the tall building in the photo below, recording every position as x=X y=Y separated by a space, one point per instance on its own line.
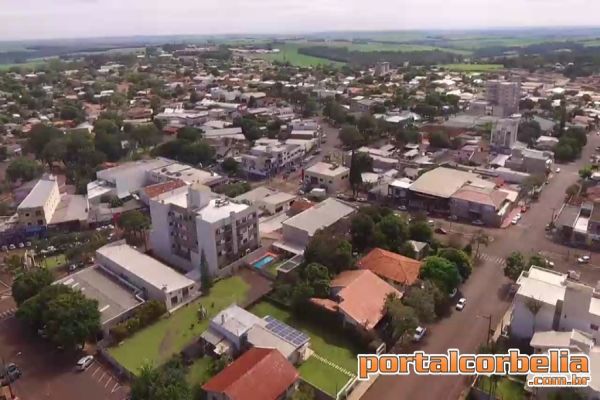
x=40 y=204
x=189 y=221
x=382 y=68
x=504 y=133
x=503 y=96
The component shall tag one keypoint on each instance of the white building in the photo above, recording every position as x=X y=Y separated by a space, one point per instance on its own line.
x=156 y=280
x=40 y=204
x=504 y=133
x=264 y=160
x=298 y=230
x=333 y=177
x=190 y=221
x=187 y=174
x=559 y=304
x=271 y=201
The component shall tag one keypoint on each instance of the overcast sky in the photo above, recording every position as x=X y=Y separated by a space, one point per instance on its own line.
x=32 y=19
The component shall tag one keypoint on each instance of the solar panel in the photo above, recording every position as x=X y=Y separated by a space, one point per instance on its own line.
x=286 y=332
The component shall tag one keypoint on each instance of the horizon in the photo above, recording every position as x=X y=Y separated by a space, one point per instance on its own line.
x=22 y=20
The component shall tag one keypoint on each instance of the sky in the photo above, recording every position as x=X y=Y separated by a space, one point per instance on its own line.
x=38 y=19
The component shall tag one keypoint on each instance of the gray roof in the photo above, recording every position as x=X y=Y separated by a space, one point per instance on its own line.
x=444 y=182
x=568 y=216
x=320 y=216
x=39 y=194
x=72 y=207
x=259 y=336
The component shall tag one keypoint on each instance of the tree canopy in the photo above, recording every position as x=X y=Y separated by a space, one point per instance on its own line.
x=515 y=264
x=442 y=272
x=30 y=283
x=23 y=169
x=166 y=382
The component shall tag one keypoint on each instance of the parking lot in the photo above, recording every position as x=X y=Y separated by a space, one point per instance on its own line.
x=51 y=374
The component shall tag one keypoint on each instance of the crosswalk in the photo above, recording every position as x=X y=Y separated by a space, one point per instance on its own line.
x=491 y=258
x=7 y=314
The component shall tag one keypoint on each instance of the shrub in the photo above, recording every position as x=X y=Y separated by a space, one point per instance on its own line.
x=145 y=315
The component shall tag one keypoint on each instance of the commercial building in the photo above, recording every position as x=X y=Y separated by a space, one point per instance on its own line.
x=504 y=134
x=38 y=208
x=185 y=173
x=503 y=96
x=332 y=177
x=190 y=223
x=266 y=160
x=298 y=230
x=156 y=280
x=270 y=201
x=382 y=68
x=531 y=161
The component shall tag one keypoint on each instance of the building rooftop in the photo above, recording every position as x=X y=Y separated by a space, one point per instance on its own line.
x=219 y=209
x=258 y=374
x=235 y=320
x=163 y=187
x=327 y=169
x=444 y=182
x=488 y=196
x=40 y=193
x=320 y=216
x=542 y=284
x=575 y=340
x=145 y=267
x=72 y=207
x=391 y=266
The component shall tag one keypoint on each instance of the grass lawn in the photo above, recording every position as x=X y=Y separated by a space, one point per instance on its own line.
x=325 y=342
x=472 y=67
x=160 y=341
x=272 y=268
x=199 y=372
x=323 y=376
x=54 y=261
x=289 y=52
x=505 y=388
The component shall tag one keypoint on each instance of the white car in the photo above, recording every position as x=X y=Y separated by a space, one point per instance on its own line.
x=557 y=170
x=583 y=259
x=419 y=333
x=84 y=363
x=461 y=304
x=549 y=264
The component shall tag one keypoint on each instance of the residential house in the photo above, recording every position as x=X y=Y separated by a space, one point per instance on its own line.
x=394 y=268
x=270 y=201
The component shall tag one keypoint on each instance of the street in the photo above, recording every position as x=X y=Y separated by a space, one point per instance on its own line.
x=487 y=290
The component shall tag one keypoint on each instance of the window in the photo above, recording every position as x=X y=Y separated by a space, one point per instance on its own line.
x=38 y=213
x=594 y=327
x=27 y=214
x=174 y=300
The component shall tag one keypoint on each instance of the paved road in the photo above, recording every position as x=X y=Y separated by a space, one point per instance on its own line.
x=49 y=374
x=487 y=291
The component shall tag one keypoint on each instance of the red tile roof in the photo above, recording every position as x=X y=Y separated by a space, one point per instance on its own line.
x=154 y=190
x=391 y=266
x=259 y=374
x=362 y=296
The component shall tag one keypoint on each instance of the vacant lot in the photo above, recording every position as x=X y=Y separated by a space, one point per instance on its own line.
x=159 y=342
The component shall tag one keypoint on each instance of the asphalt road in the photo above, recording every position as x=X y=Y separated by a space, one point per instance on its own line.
x=487 y=290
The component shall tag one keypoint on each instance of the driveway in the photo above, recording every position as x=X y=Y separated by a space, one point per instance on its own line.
x=486 y=290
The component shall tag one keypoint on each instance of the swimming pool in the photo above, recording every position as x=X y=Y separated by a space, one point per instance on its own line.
x=267 y=259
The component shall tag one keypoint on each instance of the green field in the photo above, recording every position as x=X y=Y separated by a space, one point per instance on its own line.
x=27 y=65
x=289 y=53
x=54 y=261
x=160 y=341
x=472 y=67
x=323 y=376
x=506 y=389
x=199 y=372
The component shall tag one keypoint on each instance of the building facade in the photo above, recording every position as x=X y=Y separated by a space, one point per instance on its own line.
x=40 y=204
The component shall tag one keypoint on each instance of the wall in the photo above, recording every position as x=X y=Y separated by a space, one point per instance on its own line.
x=522 y=320
x=295 y=235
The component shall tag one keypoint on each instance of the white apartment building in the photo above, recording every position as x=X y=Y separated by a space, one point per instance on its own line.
x=40 y=204
x=187 y=174
x=504 y=96
x=560 y=305
x=332 y=177
x=265 y=160
x=189 y=221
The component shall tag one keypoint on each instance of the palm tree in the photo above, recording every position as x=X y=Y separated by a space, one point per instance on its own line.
x=534 y=306
x=480 y=238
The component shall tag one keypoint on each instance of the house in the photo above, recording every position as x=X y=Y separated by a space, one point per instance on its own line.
x=420 y=248
x=332 y=177
x=271 y=201
x=485 y=203
x=38 y=208
x=546 y=300
x=189 y=223
x=398 y=190
x=546 y=143
x=259 y=374
x=359 y=297
x=156 y=280
x=394 y=268
x=299 y=229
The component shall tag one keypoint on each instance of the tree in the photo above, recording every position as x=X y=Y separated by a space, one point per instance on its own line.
x=23 y=169
x=529 y=131
x=106 y=126
x=442 y=272
x=134 y=223
x=458 y=258
x=480 y=238
x=515 y=264
x=350 y=136
x=422 y=300
x=332 y=251
x=359 y=163
x=166 y=382
x=317 y=277
x=197 y=153
x=30 y=283
x=439 y=140
x=3 y=153
x=391 y=232
x=145 y=135
x=362 y=230
x=573 y=190
x=230 y=165
x=403 y=319
x=109 y=144
x=67 y=317
x=366 y=124
x=249 y=128
x=39 y=137
x=537 y=260
x=586 y=172
x=420 y=231
x=190 y=134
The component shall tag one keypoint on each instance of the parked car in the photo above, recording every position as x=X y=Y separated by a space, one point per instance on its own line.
x=402 y=208
x=557 y=170
x=84 y=363
x=441 y=231
x=431 y=222
x=419 y=333
x=549 y=263
x=4 y=248
x=21 y=245
x=461 y=304
x=583 y=259
x=11 y=247
x=10 y=374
